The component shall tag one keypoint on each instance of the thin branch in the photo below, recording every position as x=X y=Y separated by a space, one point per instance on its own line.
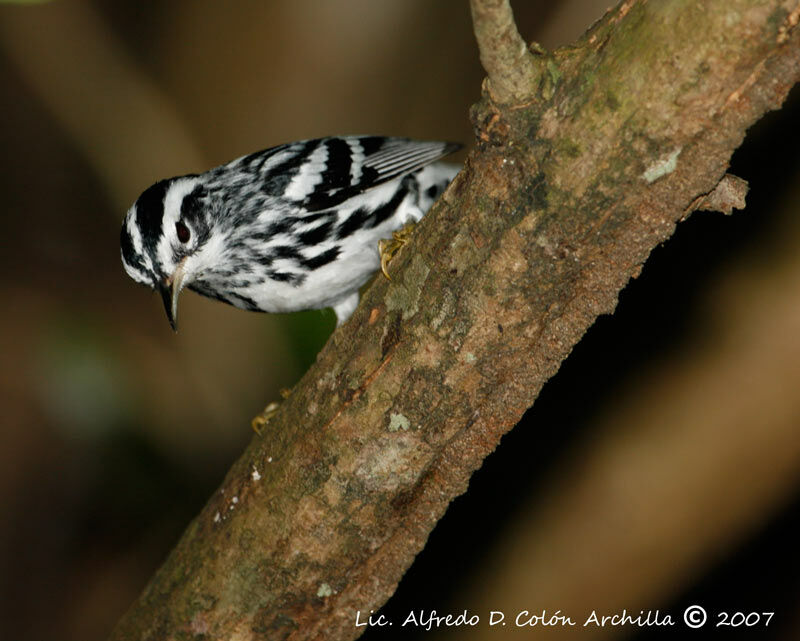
x=320 y=517
x=511 y=68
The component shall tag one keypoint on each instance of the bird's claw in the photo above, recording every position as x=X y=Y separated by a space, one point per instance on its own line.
x=268 y=413
x=388 y=247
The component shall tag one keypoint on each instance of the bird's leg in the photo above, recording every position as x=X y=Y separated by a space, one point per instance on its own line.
x=259 y=422
x=388 y=247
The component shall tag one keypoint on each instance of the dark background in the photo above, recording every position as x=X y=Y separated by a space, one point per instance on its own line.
x=658 y=469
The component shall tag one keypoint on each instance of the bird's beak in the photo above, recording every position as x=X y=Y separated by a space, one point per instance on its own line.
x=170 y=288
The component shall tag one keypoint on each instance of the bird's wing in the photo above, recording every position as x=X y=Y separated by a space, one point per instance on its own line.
x=323 y=173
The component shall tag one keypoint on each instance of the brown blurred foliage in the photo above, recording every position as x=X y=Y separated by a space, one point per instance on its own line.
x=662 y=461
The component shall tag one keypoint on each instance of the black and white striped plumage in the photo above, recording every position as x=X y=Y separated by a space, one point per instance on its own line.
x=288 y=228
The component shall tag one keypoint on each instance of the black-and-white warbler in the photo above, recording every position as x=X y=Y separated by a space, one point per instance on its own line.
x=288 y=228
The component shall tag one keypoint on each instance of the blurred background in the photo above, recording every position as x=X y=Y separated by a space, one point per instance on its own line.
x=659 y=468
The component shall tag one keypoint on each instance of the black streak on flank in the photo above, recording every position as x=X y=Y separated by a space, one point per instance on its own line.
x=287 y=277
x=386 y=210
x=244 y=302
x=324 y=201
x=281 y=277
x=281 y=226
x=363 y=218
x=312 y=218
x=434 y=191
x=328 y=256
x=286 y=251
x=355 y=221
x=315 y=236
x=204 y=290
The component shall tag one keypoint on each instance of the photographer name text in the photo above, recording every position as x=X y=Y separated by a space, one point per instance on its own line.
x=694 y=616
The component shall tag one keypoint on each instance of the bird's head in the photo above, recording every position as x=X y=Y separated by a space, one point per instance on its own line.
x=163 y=237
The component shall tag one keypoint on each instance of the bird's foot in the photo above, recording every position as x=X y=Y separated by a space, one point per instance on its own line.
x=268 y=413
x=388 y=247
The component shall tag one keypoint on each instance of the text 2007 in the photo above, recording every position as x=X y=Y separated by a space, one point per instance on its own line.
x=746 y=619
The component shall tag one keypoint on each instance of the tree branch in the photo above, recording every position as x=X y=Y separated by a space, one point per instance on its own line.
x=511 y=68
x=557 y=208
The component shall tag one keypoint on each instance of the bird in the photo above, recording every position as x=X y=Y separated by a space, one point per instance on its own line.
x=288 y=228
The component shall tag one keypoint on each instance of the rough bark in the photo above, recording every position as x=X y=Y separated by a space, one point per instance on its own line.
x=603 y=148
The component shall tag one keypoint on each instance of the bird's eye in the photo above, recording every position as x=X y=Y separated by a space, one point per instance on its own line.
x=183 y=232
